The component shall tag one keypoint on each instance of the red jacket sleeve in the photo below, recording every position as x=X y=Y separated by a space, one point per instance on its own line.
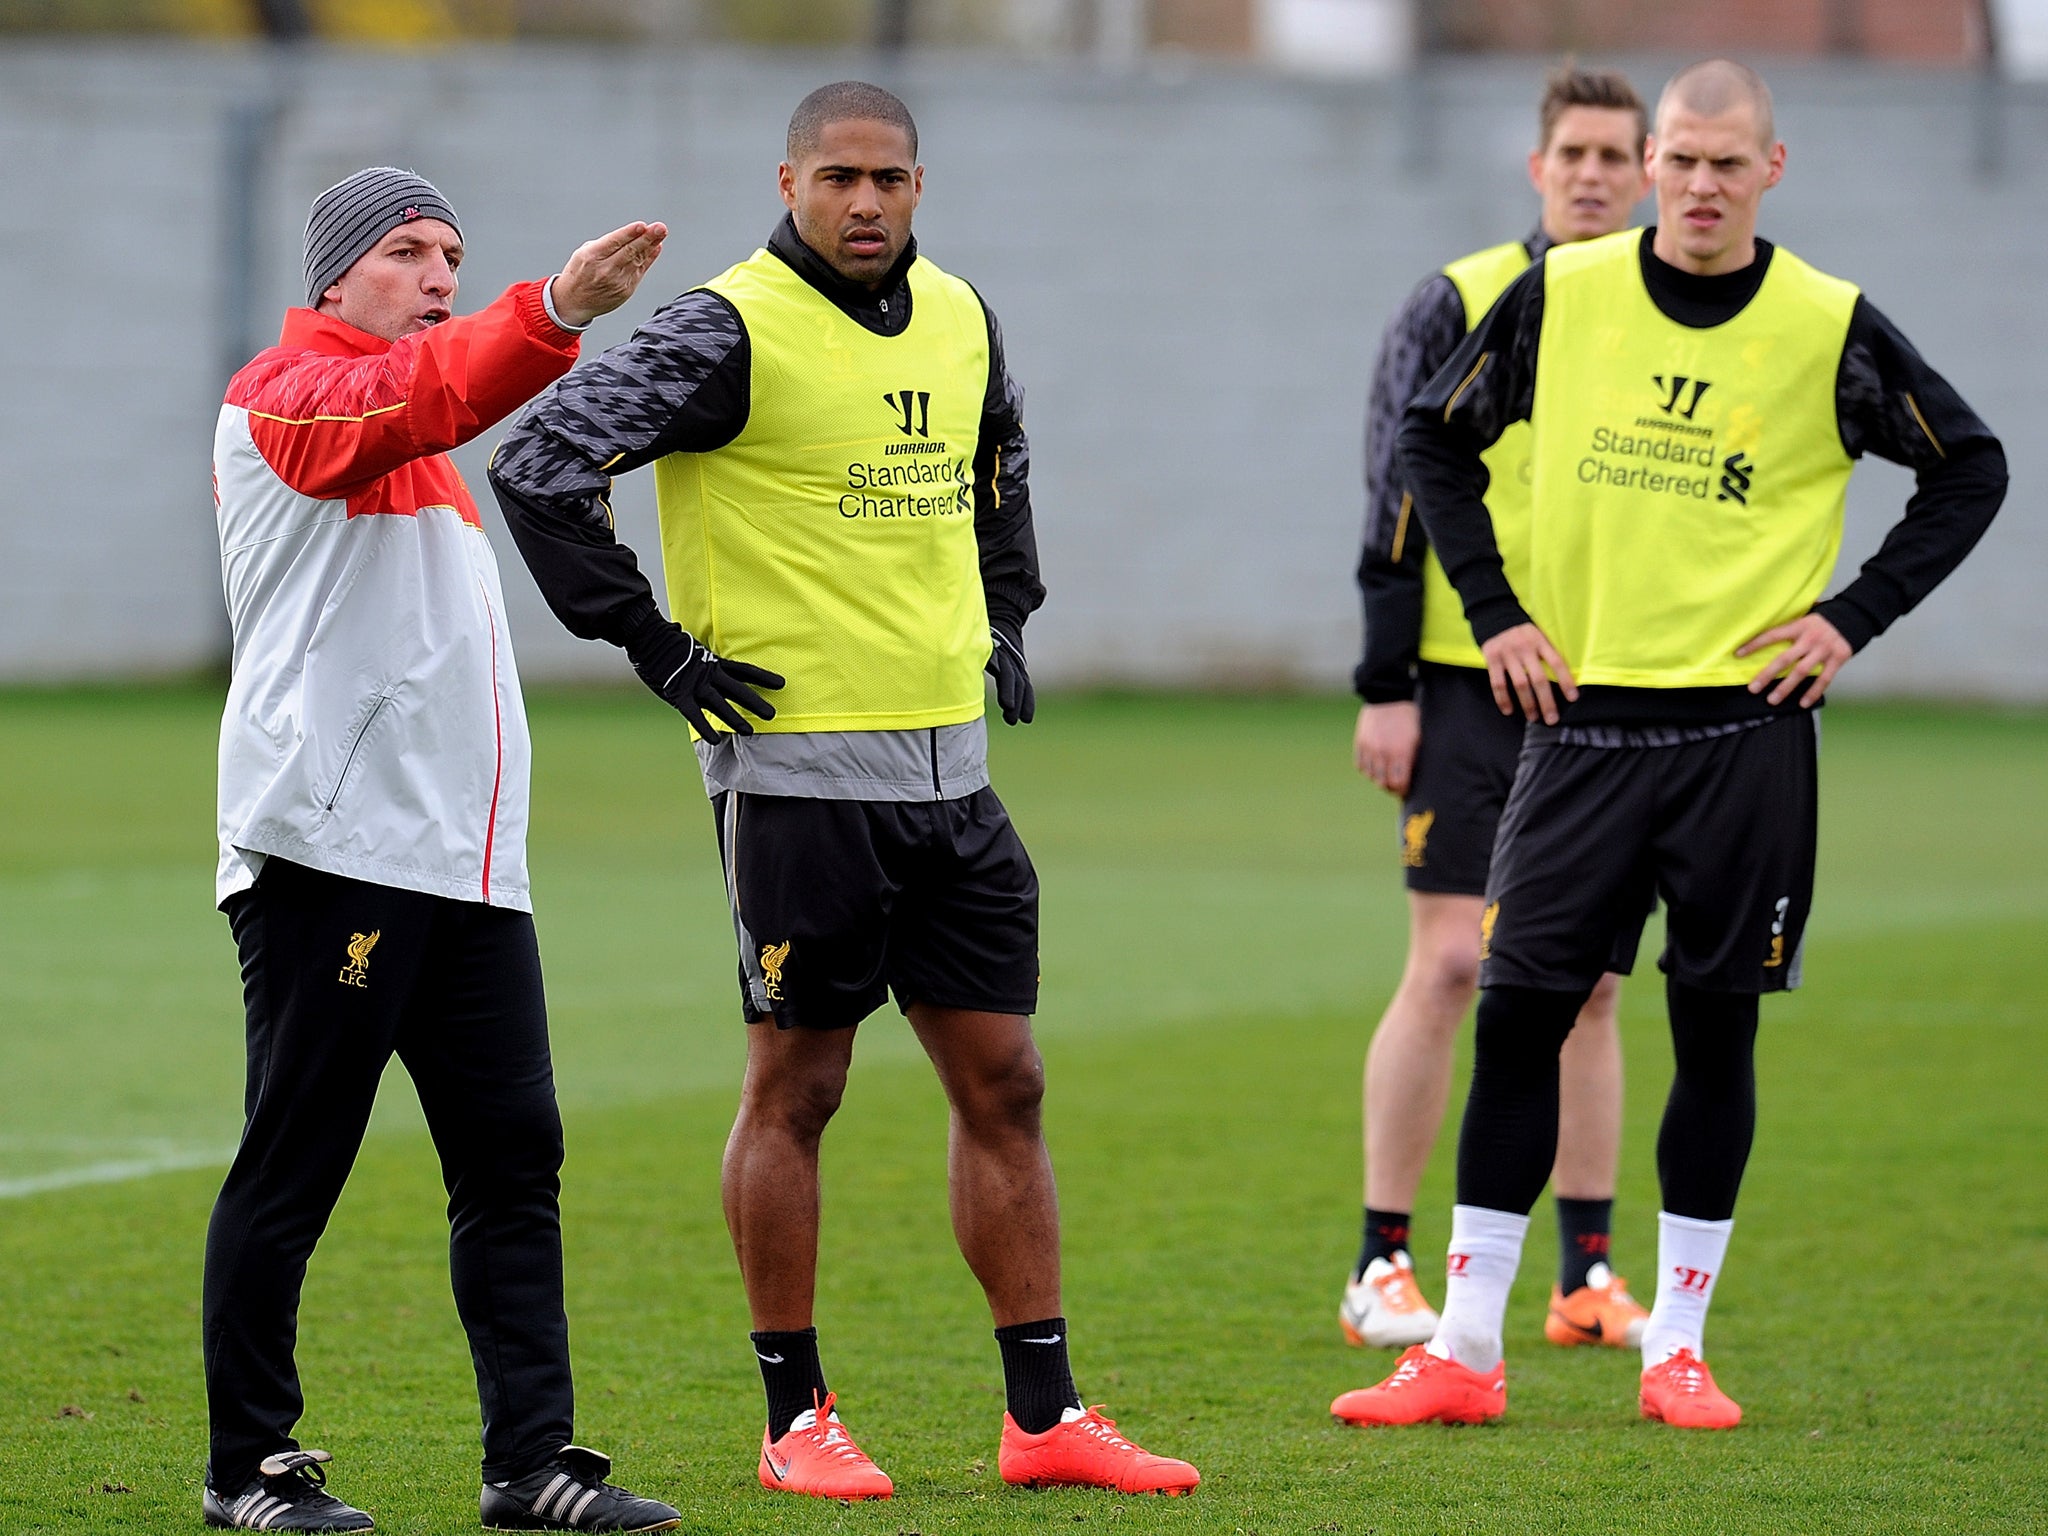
x=331 y=426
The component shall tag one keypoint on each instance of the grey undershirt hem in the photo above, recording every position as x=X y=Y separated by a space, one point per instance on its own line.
x=945 y=762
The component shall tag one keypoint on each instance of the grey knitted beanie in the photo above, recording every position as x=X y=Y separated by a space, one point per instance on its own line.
x=355 y=213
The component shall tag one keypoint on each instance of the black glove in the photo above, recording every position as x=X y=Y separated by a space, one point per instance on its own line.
x=1014 y=694
x=683 y=670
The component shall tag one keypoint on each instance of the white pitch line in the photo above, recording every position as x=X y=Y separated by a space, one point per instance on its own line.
x=115 y=1172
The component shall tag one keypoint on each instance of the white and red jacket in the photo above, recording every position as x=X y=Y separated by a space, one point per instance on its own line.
x=374 y=725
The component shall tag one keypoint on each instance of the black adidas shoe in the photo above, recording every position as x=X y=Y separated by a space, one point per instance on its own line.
x=287 y=1494
x=570 y=1494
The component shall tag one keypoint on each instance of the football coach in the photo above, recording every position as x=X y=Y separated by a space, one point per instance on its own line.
x=372 y=817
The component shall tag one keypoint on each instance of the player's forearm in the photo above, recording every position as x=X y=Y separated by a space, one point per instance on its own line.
x=1891 y=403
x=1003 y=531
x=1948 y=513
x=1441 y=462
x=1393 y=632
x=591 y=581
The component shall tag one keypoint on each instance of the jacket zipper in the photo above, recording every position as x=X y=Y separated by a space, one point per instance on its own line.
x=354 y=747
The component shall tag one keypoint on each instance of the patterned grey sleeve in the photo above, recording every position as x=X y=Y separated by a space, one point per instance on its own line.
x=679 y=384
x=1424 y=331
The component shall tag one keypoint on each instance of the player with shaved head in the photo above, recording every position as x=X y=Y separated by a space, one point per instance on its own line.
x=1696 y=399
x=841 y=469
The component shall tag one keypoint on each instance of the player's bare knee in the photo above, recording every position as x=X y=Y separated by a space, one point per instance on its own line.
x=1006 y=1097
x=799 y=1096
x=1448 y=968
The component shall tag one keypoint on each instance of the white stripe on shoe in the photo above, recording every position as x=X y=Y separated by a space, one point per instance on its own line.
x=581 y=1505
x=547 y=1495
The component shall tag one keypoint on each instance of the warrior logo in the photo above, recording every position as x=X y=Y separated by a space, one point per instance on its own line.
x=916 y=406
x=1676 y=388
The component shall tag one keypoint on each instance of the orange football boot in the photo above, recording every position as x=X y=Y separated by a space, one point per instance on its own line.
x=820 y=1458
x=1599 y=1312
x=1427 y=1389
x=1681 y=1392
x=1085 y=1451
x=1384 y=1306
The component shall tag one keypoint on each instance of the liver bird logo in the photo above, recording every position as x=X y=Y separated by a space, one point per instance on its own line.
x=772 y=958
x=1415 y=837
x=357 y=972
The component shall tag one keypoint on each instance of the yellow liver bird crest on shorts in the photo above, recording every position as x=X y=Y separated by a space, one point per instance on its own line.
x=772 y=958
x=357 y=972
x=1415 y=837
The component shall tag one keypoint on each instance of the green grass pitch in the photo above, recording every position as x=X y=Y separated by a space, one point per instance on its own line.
x=1222 y=924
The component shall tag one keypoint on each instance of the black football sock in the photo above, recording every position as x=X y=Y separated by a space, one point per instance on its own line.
x=1583 y=1227
x=1386 y=1234
x=792 y=1375
x=1508 y=1141
x=1710 y=1118
x=1036 y=1377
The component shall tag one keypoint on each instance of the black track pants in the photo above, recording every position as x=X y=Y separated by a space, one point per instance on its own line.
x=337 y=975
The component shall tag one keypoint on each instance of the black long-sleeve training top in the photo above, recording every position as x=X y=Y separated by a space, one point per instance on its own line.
x=681 y=385
x=1418 y=340
x=1958 y=463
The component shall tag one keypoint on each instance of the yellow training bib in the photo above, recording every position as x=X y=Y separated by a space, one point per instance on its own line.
x=832 y=541
x=1480 y=279
x=1688 y=482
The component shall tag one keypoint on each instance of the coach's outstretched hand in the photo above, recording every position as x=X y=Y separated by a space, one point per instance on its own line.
x=683 y=670
x=603 y=273
x=1015 y=696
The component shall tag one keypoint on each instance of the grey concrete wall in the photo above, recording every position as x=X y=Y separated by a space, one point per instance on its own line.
x=1191 y=266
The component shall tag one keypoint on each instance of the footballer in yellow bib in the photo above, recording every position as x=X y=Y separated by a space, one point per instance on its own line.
x=1697 y=397
x=843 y=481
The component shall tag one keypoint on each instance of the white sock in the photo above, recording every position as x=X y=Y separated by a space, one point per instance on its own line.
x=1486 y=1250
x=1689 y=1255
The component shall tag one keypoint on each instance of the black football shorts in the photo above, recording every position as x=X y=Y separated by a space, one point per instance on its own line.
x=1463 y=771
x=1723 y=830
x=838 y=903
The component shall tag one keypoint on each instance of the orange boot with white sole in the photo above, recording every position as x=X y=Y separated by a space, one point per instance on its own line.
x=1384 y=1307
x=818 y=1457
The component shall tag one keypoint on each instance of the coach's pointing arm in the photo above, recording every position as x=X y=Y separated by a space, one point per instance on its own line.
x=1488 y=384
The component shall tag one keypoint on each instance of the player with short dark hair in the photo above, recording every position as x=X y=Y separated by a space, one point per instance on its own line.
x=841 y=469
x=1698 y=398
x=1429 y=733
